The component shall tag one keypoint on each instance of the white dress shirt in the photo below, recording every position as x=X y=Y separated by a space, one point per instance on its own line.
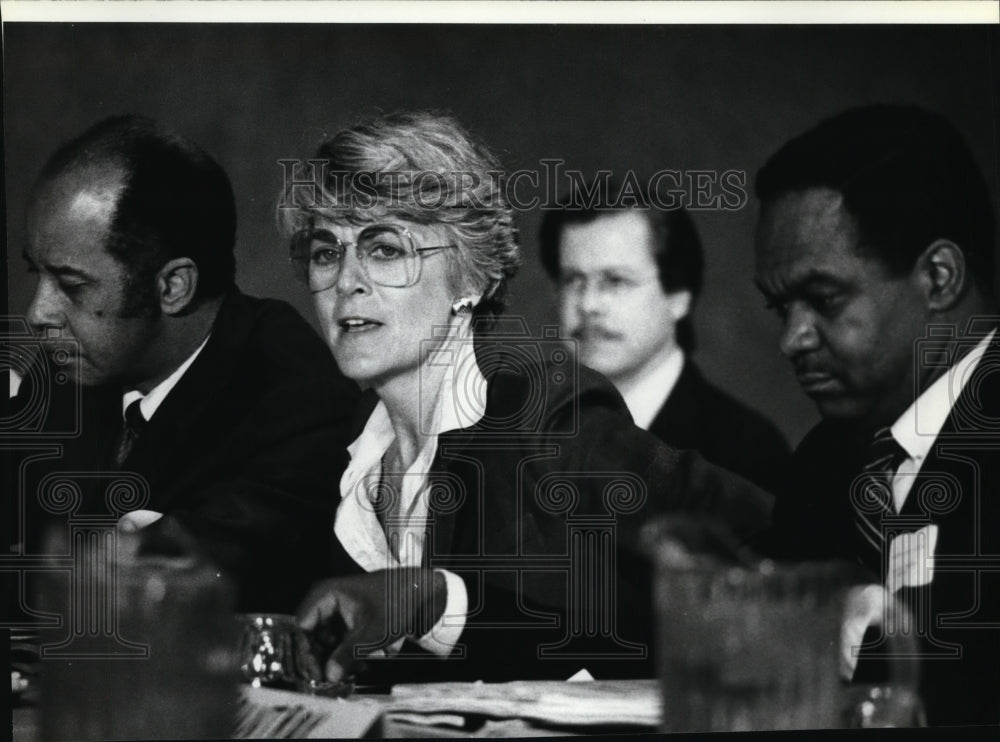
x=138 y=519
x=918 y=427
x=911 y=554
x=461 y=403
x=649 y=392
x=152 y=401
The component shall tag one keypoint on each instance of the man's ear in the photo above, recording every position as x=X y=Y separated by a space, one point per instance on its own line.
x=176 y=284
x=679 y=304
x=942 y=274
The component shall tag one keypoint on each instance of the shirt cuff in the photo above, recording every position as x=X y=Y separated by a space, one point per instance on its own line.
x=865 y=607
x=443 y=636
x=136 y=520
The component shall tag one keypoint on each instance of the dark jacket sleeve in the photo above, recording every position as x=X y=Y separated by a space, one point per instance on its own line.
x=551 y=550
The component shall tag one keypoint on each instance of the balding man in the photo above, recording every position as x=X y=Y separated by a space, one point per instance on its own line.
x=229 y=407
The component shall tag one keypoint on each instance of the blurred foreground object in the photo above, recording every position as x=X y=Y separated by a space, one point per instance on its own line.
x=751 y=646
x=268 y=713
x=170 y=613
x=276 y=653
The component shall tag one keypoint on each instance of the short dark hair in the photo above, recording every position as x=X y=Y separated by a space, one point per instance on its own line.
x=176 y=201
x=676 y=245
x=907 y=176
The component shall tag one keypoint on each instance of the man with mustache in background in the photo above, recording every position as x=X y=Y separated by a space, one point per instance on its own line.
x=628 y=275
x=875 y=248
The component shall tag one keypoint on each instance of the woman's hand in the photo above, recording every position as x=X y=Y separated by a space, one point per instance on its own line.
x=351 y=617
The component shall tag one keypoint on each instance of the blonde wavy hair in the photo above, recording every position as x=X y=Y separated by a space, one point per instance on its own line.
x=420 y=167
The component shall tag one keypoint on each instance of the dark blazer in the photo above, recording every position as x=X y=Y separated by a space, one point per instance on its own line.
x=958 y=614
x=243 y=452
x=539 y=508
x=702 y=417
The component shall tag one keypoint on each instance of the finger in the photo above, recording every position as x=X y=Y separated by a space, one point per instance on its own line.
x=345 y=656
x=320 y=604
x=310 y=663
x=334 y=672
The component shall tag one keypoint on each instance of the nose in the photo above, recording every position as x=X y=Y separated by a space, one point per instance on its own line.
x=352 y=278
x=590 y=299
x=799 y=334
x=45 y=310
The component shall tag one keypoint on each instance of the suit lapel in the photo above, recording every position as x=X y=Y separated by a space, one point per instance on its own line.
x=184 y=416
x=102 y=420
x=956 y=487
x=962 y=448
x=452 y=481
x=467 y=461
x=682 y=404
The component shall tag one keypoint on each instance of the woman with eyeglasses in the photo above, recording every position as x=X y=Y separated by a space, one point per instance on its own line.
x=491 y=508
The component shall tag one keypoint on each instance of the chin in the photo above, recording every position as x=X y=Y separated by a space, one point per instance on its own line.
x=88 y=377
x=359 y=372
x=365 y=369
x=599 y=362
x=841 y=409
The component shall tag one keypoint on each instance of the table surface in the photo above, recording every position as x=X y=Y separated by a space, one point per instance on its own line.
x=446 y=710
x=25 y=729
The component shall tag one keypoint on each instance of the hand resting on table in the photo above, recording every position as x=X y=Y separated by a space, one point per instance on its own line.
x=352 y=617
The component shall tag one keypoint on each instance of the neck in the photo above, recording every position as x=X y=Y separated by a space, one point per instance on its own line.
x=176 y=338
x=955 y=346
x=628 y=382
x=412 y=399
x=948 y=348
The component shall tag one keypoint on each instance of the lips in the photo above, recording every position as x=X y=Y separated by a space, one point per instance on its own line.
x=592 y=333
x=817 y=382
x=61 y=350
x=351 y=325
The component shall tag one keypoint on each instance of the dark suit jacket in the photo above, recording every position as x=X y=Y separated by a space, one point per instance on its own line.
x=242 y=453
x=539 y=509
x=958 y=614
x=700 y=416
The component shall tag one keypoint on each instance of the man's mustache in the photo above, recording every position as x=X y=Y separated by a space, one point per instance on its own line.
x=592 y=331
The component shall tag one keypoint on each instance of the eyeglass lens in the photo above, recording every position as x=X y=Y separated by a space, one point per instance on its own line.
x=385 y=252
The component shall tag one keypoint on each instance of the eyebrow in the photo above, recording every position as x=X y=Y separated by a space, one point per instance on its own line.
x=323 y=234
x=60 y=270
x=66 y=270
x=618 y=270
x=810 y=278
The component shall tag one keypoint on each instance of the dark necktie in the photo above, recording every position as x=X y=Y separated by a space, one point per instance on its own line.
x=134 y=423
x=871 y=496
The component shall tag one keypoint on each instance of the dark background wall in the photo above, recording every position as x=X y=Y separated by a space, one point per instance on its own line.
x=629 y=97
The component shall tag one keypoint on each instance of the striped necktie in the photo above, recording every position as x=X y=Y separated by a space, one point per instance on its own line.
x=132 y=427
x=871 y=496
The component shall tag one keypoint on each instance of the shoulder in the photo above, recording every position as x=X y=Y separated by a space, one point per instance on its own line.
x=832 y=442
x=740 y=415
x=544 y=395
x=271 y=326
x=698 y=413
x=269 y=337
x=263 y=348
